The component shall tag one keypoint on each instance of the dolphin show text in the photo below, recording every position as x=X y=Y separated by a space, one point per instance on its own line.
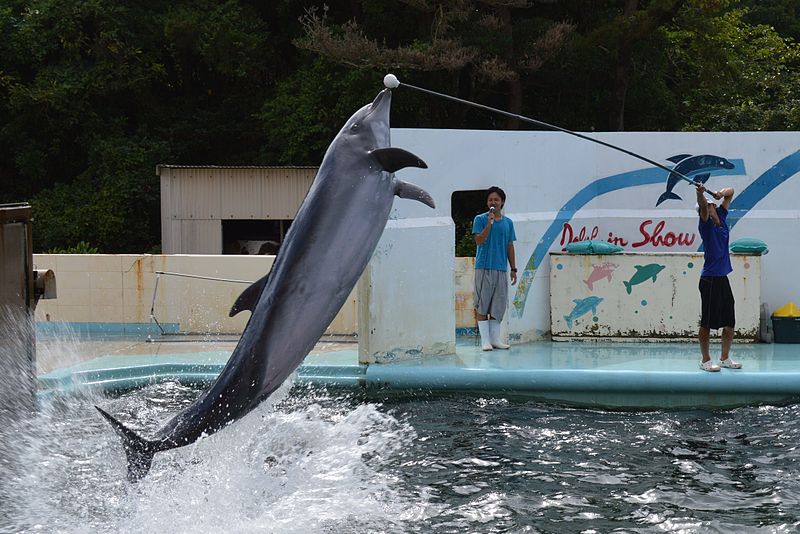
x=650 y=233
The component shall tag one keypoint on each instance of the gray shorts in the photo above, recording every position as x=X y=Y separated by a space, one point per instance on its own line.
x=491 y=292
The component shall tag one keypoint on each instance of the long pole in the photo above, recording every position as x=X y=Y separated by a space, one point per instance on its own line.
x=391 y=82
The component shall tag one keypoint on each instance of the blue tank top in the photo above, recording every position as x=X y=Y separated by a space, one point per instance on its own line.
x=716 y=256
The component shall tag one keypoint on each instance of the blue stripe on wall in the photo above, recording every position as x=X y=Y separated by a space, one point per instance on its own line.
x=584 y=196
x=46 y=329
x=763 y=186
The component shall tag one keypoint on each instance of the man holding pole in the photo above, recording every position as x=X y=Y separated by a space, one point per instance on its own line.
x=717 y=303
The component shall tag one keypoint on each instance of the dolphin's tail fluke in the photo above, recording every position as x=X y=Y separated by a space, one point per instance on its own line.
x=628 y=287
x=139 y=451
x=568 y=319
x=667 y=195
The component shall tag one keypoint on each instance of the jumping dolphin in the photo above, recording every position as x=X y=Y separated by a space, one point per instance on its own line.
x=687 y=164
x=325 y=251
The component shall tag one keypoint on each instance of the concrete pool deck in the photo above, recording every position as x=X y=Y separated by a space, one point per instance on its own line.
x=590 y=374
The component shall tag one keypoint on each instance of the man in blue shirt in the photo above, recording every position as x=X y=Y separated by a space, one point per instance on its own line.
x=717 y=303
x=494 y=235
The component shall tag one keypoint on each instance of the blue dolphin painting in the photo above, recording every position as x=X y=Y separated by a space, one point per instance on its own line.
x=687 y=164
x=582 y=307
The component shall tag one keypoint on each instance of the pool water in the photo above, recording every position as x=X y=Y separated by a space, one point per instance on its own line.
x=309 y=461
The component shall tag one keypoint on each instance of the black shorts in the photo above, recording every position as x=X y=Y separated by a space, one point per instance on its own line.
x=717 y=302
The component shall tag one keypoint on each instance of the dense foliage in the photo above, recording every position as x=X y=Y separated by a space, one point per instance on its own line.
x=94 y=94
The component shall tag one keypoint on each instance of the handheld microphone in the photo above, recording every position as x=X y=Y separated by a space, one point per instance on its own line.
x=491 y=210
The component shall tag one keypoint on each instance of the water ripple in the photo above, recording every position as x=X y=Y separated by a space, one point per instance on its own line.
x=310 y=462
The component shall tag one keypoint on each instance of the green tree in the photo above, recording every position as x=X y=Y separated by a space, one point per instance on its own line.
x=94 y=94
x=309 y=107
x=732 y=75
x=481 y=45
x=782 y=15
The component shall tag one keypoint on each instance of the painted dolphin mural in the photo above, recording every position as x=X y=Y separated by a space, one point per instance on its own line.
x=325 y=251
x=582 y=307
x=687 y=164
x=600 y=271
x=643 y=273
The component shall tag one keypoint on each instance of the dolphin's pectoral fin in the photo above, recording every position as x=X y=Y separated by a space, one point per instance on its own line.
x=249 y=297
x=393 y=159
x=413 y=192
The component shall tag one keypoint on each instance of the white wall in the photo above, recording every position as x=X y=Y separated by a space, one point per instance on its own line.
x=119 y=289
x=405 y=309
x=553 y=179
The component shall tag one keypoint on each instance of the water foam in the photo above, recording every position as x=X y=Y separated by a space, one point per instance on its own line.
x=292 y=465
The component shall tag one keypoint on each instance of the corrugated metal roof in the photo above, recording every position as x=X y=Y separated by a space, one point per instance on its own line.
x=167 y=166
x=17 y=212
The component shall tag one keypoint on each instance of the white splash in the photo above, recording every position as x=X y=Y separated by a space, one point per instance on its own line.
x=297 y=467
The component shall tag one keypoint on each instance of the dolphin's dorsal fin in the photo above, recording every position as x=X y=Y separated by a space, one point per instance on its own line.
x=393 y=159
x=413 y=192
x=249 y=297
x=679 y=157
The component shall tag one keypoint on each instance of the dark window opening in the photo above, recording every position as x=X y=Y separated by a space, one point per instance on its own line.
x=464 y=206
x=253 y=236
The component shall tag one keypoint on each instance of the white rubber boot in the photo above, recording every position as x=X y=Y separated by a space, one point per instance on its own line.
x=494 y=335
x=483 y=328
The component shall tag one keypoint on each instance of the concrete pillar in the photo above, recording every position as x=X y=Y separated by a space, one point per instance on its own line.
x=407 y=292
x=17 y=301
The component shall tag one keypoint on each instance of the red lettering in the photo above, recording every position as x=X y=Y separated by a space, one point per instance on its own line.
x=616 y=240
x=645 y=236
x=568 y=235
x=657 y=240
x=566 y=231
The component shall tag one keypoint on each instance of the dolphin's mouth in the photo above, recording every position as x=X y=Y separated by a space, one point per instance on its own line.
x=382 y=103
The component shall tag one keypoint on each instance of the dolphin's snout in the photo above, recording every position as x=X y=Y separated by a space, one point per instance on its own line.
x=382 y=102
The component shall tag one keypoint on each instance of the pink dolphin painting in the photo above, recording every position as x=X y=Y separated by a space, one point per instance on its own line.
x=600 y=271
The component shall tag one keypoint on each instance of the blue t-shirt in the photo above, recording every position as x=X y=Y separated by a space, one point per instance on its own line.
x=493 y=253
x=716 y=256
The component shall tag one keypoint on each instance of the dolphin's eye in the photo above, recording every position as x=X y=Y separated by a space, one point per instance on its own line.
x=354 y=126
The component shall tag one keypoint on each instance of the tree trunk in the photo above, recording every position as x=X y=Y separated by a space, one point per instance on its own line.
x=514 y=85
x=622 y=73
